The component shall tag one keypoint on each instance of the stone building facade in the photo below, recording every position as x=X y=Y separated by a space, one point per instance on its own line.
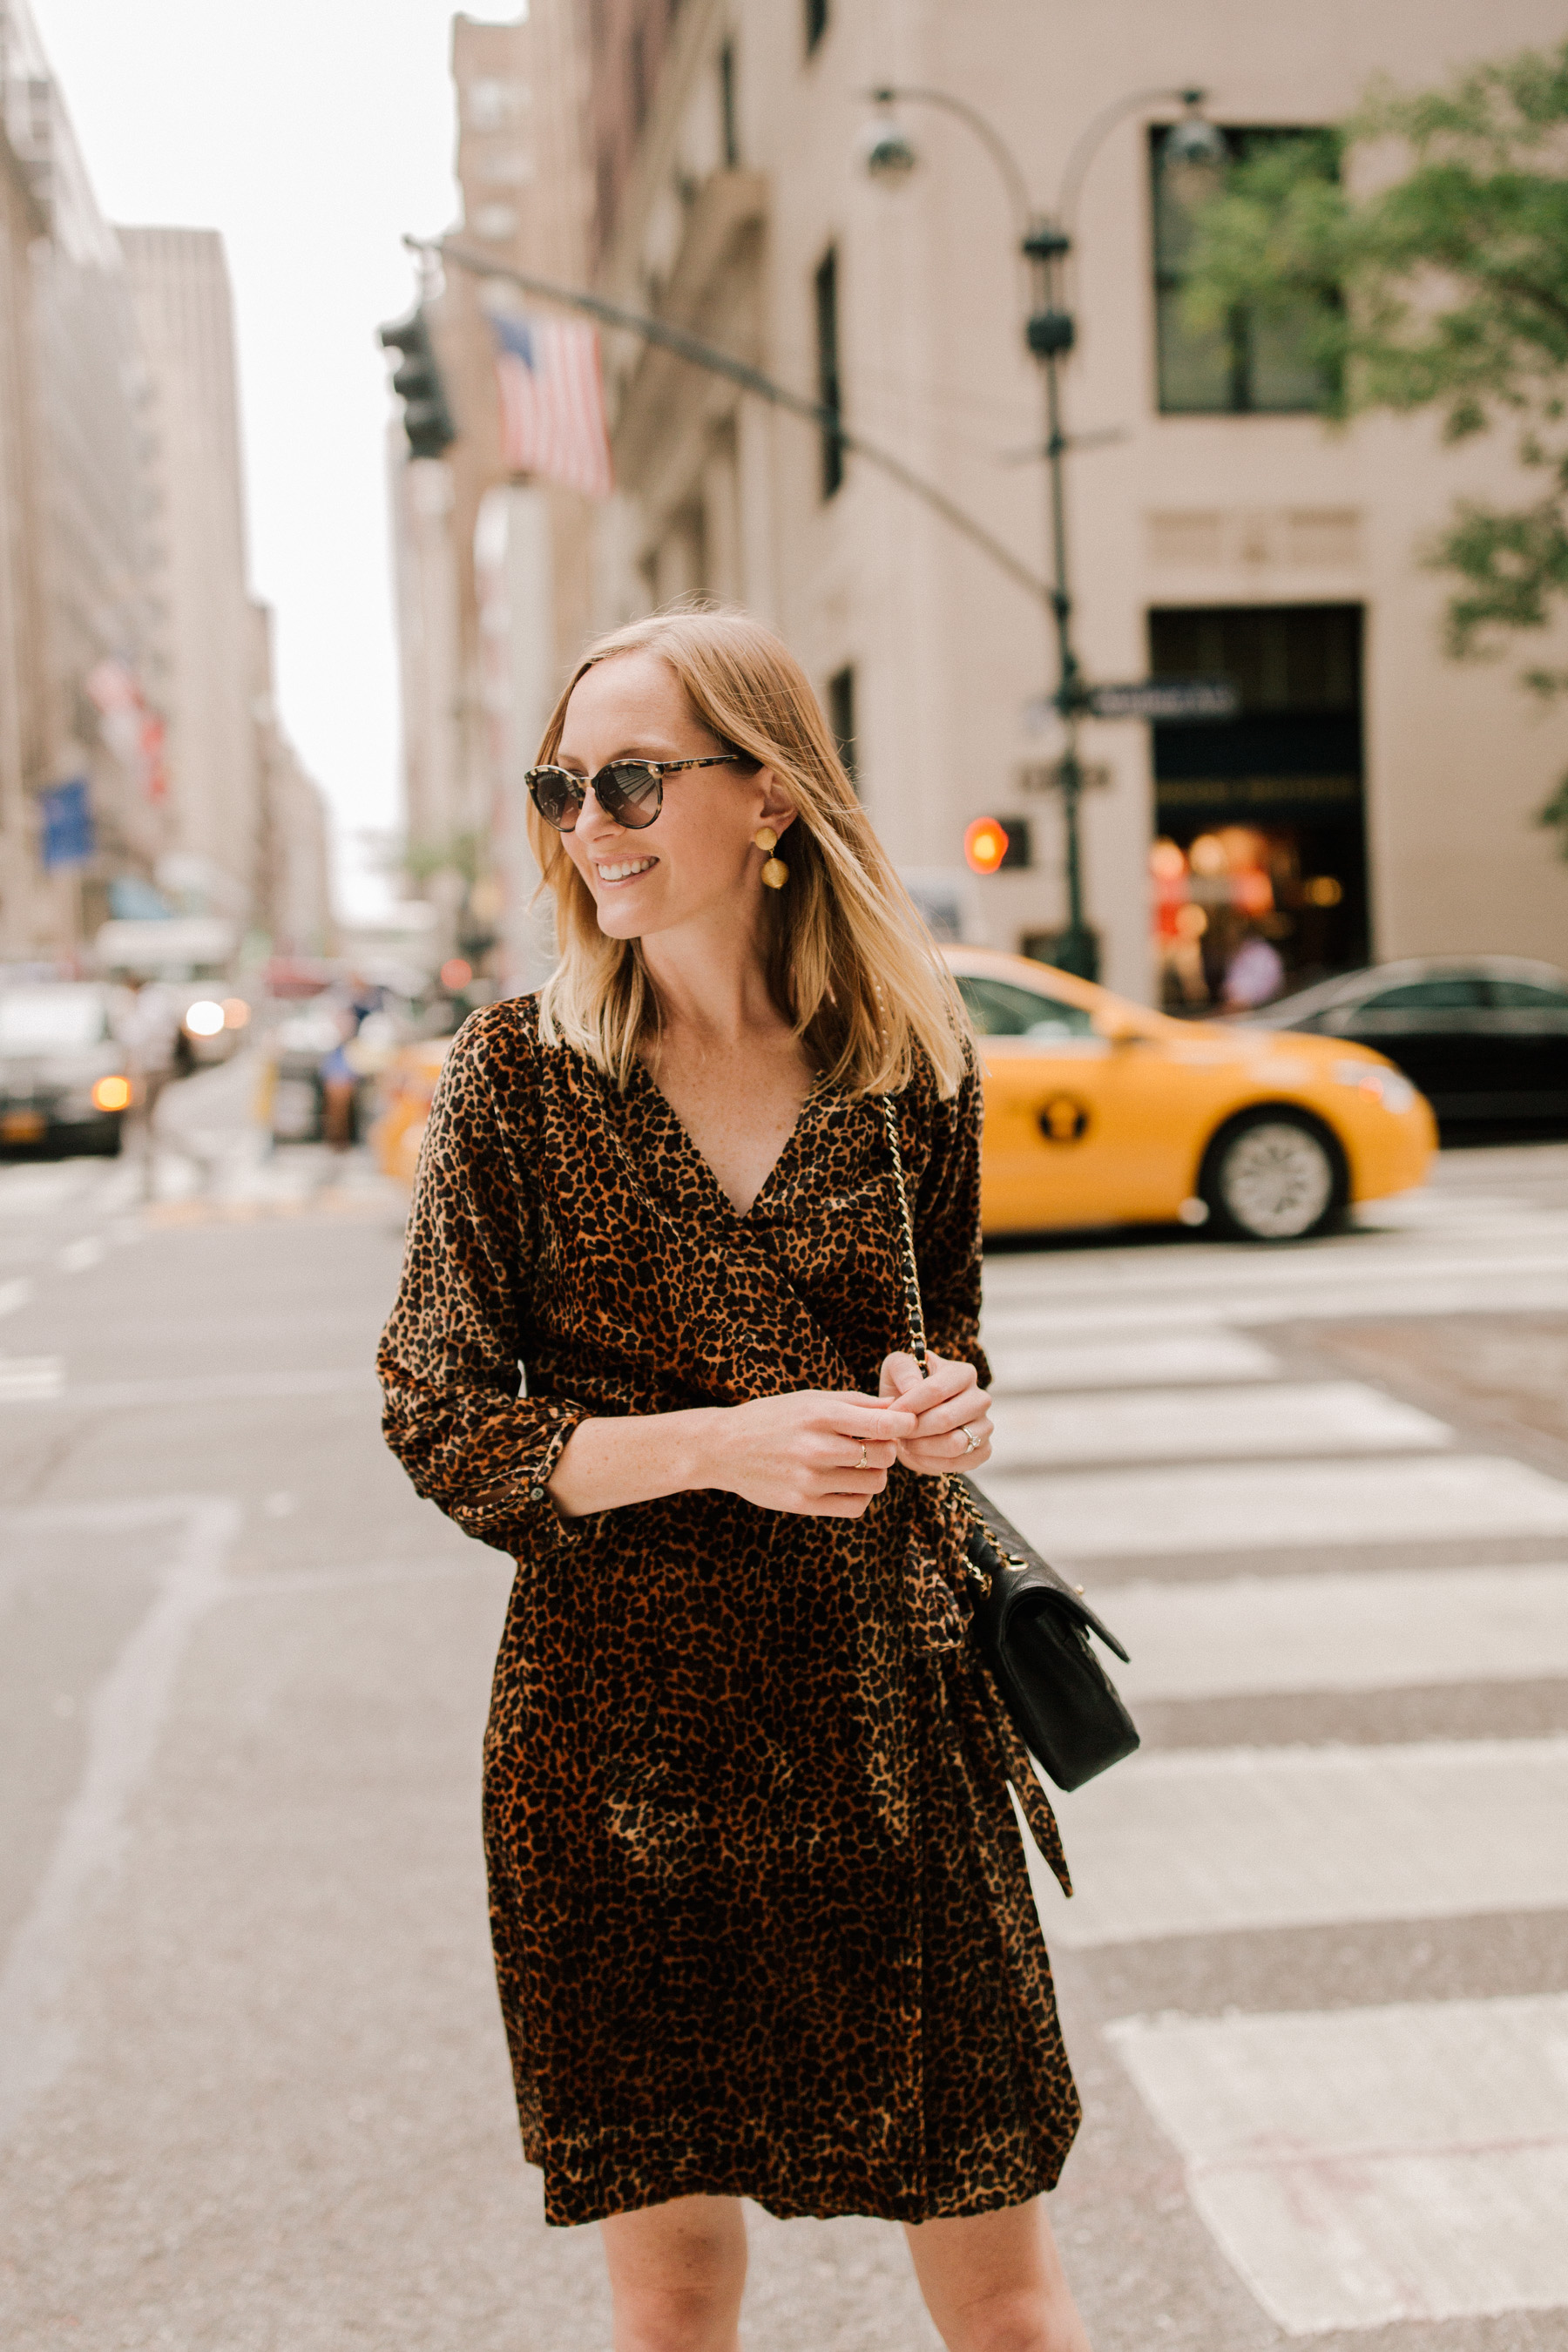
x=293 y=889
x=197 y=565
x=82 y=687
x=1372 y=799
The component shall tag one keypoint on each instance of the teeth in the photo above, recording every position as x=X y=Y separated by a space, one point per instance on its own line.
x=632 y=865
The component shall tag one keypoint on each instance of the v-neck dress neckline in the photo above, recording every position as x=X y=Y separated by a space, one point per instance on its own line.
x=689 y=1148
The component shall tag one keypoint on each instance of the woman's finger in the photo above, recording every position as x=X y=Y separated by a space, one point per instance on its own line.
x=829 y=1453
x=951 y=1450
x=955 y=1412
x=856 y=1420
x=862 y=1483
x=939 y=1387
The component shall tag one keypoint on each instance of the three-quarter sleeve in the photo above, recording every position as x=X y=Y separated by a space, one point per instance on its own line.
x=449 y=1356
x=947 y=1225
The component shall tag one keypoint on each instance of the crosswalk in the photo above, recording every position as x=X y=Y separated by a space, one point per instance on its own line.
x=1278 y=1542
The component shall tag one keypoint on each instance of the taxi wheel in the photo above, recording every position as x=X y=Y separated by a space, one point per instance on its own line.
x=1273 y=1176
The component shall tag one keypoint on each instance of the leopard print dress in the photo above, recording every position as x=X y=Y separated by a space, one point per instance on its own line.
x=761 y=1917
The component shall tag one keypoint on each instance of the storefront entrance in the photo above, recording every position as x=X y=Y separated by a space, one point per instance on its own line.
x=1259 y=858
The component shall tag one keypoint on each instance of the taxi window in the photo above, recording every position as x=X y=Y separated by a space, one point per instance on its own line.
x=1454 y=995
x=1528 y=996
x=999 y=1010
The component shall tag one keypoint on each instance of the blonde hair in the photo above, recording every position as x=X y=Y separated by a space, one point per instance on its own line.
x=849 y=961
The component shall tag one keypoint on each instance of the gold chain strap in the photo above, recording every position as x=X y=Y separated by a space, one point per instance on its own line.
x=914 y=1311
x=955 y=1487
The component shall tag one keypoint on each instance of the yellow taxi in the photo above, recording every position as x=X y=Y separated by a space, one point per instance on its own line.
x=1099 y=1112
x=404 y=1092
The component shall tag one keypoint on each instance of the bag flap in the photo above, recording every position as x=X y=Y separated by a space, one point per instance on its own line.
x=1038 y=1575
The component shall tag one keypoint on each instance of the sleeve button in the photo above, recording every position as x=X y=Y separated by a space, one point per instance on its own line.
x=536 y=1493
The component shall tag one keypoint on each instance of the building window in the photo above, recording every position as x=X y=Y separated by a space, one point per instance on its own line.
x=827 y=378
x=492 y=104
x=1250 y=365
x=1259 y=863
x=641 y=88
x=815 y=23
x=841 y=718
x=730 y=128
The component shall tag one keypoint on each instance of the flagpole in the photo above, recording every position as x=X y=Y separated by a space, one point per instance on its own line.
x=698 y=353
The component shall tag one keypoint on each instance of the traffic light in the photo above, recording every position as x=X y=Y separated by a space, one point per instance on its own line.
x=426 y=419
x=992 y=842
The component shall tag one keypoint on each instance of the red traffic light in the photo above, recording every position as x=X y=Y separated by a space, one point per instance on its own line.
x=992 y=841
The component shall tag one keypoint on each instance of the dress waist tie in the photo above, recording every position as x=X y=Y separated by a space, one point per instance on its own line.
x=997 y=1738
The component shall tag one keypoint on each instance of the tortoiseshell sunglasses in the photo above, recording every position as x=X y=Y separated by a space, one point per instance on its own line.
x=630 y=791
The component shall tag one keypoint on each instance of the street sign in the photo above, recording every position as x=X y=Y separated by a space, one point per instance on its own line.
x=66 y=828
x=1167 y=699
x=1046 y=776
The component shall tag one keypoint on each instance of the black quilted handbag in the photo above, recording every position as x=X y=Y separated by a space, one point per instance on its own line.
x=1033 y=1626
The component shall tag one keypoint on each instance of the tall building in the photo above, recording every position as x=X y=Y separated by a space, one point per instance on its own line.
x=204 y=645
x=293 y=903
x=81 y=773
x=494 y=571
x=25 y=716
x=1372 y=798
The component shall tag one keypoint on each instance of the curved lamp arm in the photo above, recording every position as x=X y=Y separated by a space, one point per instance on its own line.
x=997 y=147
x=1086 y=144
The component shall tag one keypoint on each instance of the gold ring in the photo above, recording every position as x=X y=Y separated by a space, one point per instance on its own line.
x=862 y=1463
x=971 y=1443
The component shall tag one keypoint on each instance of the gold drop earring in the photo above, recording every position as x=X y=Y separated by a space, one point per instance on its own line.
x=775 y=873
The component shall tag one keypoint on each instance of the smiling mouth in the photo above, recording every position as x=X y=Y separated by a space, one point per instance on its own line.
x=627 y=870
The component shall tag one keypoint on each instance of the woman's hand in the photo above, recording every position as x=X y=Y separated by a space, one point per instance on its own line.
x=821 y=1451
x=952 y=1413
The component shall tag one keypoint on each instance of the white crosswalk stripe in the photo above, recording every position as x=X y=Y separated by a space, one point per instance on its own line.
x=1185 y=1843
x=1137 y=1362
x=1252 y=1506
x=1374 y=2165
x=1176 y=1425
x=1333 y=1631
x=1356 y=2167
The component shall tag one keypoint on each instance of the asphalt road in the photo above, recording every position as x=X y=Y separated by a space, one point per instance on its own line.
x=253 y=2092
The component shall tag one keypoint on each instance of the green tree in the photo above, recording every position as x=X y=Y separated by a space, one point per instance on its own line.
x=1421 y=249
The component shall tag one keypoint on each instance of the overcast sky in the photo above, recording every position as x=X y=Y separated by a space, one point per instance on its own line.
x=311 y=133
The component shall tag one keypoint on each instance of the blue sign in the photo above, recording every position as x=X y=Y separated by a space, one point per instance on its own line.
x=68 y=823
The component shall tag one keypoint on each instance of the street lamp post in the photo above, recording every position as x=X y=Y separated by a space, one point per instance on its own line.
x=1049 y=333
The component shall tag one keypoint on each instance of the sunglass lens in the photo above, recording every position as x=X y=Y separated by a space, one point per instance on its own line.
x=557 y=796
x=632 y=795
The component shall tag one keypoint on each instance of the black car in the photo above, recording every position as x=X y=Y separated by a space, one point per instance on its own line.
x=1484 y=1037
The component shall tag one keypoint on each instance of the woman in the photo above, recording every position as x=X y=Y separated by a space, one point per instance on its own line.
x=762 y=1917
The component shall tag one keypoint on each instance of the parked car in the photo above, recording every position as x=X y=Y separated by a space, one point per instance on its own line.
x=63 y=1080
x=1484 y=1037
x=1099 y=1112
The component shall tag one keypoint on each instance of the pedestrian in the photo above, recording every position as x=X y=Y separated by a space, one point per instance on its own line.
x=338 y=1069
x=1255 y=973
x=145 y=1021
x=340 y=1086
x=761 y=1912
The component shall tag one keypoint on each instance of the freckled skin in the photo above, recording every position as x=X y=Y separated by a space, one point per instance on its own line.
x=762 y=1919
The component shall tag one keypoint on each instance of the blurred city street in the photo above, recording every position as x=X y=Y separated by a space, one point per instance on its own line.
x=253 y=2089
x=1133 y=443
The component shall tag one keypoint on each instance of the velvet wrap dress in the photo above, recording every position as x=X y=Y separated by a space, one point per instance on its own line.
x=760 y=1904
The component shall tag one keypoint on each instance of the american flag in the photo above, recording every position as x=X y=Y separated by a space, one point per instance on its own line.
x=552 y=402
